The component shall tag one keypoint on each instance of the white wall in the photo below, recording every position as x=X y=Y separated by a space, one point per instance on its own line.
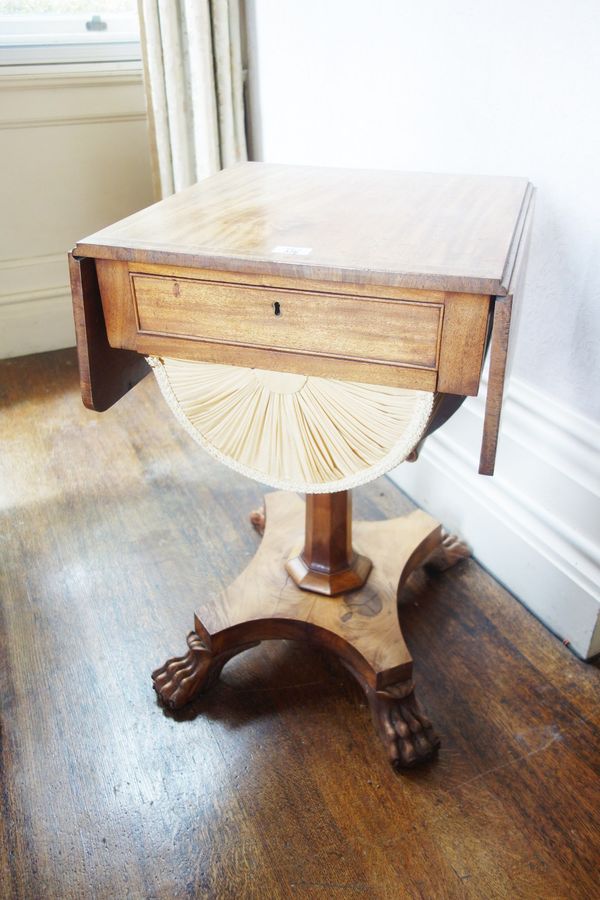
x=74 y=156
x=507 y=87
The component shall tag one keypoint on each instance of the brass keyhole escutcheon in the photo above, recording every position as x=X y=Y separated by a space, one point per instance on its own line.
x=277 y=308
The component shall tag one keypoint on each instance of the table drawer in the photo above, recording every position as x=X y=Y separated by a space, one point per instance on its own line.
x=430 y=340
x=381 y=330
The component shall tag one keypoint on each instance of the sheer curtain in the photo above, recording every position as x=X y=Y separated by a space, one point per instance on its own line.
x=194 y=88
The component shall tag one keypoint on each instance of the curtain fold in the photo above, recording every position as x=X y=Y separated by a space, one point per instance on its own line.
x=194 y=88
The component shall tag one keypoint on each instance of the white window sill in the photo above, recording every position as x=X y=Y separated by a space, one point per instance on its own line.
x=70 y=74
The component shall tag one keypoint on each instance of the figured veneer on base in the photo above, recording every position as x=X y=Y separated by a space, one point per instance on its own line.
x=360 y=626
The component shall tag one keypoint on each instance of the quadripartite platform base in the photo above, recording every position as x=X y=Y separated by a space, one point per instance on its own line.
x=360 y=626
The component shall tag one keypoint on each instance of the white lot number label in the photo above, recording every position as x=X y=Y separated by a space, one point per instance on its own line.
x=292 y=251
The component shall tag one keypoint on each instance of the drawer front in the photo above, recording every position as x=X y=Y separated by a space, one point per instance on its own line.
x=395 y=332
x=429 y=340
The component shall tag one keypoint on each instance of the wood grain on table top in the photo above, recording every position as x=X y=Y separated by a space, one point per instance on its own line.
x=417 y=230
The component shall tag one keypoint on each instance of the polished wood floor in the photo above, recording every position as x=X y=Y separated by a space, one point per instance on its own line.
x=274 y=785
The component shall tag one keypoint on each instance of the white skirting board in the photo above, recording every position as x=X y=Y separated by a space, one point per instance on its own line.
x=43 y=321
x=536 y=524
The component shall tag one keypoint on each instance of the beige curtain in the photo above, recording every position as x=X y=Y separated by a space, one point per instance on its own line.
x=194 y=88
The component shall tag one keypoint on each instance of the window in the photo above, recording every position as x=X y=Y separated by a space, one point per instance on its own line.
x=68 y=31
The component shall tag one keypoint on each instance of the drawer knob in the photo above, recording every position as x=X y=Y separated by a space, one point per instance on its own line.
x=277 y=308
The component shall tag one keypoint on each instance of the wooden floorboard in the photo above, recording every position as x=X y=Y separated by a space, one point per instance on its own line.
x=274 y=785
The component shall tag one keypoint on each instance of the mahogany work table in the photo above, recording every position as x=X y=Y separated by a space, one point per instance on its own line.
x=368 y=278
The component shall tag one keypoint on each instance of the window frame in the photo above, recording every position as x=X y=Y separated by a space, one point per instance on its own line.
x=54 y=39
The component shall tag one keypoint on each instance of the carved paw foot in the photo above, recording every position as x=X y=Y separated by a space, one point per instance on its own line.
x=258 y=520
x=183 y=677
x=404 y=728
x=450 y=551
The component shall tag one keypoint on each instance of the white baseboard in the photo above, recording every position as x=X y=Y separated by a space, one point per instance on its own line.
x=536 y=524
x=43 y=321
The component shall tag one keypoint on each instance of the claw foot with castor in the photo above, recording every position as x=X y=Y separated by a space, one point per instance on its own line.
x=448 y=553
x=258 y=520
x=183 y=677
x=405 y=730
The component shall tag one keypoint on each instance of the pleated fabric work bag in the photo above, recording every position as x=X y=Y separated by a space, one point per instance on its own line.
x=295 y=432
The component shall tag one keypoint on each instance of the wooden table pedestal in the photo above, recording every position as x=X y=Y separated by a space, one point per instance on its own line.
x=324 y=591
